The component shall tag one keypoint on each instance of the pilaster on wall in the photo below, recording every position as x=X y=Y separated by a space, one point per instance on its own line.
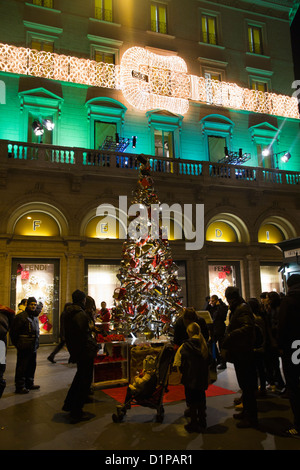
x=254 y=276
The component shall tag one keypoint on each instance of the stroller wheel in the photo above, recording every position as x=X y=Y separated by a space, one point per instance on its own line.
x=117 y=418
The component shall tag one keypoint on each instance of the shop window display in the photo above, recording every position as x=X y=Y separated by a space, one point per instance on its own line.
x=222 y=276
x=271 y=279
x=39 y=279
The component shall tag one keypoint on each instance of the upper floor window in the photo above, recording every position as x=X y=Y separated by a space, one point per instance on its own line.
x=211 y=75
x=159 y=18
x=43 y=3
x=42 y=45
x=209 y=29
x=104 y=56
x=259 y=85
x=103 y=10
x=255 y=42
x=164 y=143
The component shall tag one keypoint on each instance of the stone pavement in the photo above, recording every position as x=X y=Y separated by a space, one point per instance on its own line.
x=36 y=421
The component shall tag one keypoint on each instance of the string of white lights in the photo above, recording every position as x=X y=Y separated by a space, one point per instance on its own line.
x=147 y=81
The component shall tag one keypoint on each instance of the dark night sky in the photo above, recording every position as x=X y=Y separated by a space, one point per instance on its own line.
x=295 y=35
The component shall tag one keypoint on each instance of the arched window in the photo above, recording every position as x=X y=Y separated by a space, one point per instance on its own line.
x=37 y=219
x=227 y=227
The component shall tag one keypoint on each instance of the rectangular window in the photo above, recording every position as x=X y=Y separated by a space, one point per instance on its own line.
x=43 y=3
x=104 y=130
x=159 y=18
x=270 y=278
x=259 y=85
x=42 y=45
x=209 y=29
x=106 y=57
x=102 y=281
x=46 y=137
x=265 y=158
x=103 y=10
x=213 y=76
x=164 y=143
x=255 y=39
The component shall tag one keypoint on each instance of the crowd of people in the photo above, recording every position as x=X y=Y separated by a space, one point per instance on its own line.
x=257 y=336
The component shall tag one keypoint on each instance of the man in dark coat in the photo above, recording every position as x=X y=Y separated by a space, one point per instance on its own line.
x=289 y=347
x=218 y=312
x=239 y=344
x=83 y=349
x=24 y=335
x=189 y=316
x=6 y=319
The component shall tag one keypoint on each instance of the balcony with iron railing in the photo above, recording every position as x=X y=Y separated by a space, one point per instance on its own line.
x=37 y=157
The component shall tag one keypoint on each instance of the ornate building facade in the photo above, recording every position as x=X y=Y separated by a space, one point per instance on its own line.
x=204 y=89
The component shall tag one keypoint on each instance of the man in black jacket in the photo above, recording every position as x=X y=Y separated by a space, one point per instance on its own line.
x=24 y=335
x=239 y=344
x=289 y=347
x=83 y=349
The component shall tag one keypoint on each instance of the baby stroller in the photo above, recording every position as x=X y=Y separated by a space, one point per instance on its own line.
x=152 y=395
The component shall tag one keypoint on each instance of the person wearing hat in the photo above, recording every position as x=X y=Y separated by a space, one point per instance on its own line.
x=289 y=347
x=24 y=334
x=82 y=348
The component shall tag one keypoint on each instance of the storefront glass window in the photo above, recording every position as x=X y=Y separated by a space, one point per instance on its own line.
x=270 y=279
x=101 y=282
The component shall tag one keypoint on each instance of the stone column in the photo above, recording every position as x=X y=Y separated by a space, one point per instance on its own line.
x=254 y=276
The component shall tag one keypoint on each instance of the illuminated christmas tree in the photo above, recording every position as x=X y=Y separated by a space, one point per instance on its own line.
x=148 y=297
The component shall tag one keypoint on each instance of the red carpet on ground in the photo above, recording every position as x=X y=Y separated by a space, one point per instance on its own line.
x=175 y=393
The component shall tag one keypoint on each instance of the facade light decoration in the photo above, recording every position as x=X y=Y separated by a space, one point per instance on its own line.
x=49 y=125
x=266 y=152
x=38 y=128
x=284 y=157
x=119 y=144
x=147 y=81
